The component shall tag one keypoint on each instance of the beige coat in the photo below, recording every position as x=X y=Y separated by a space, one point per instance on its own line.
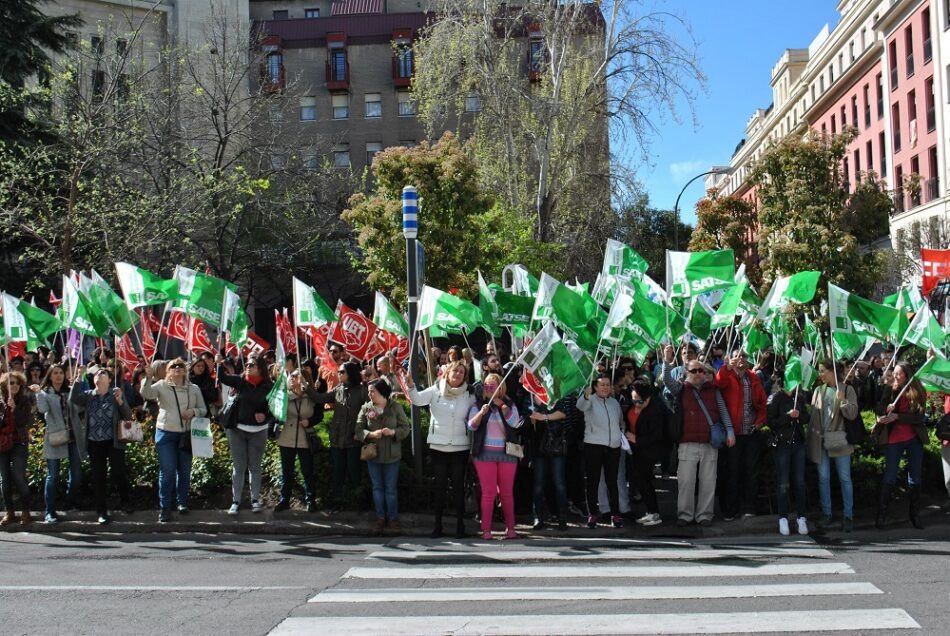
x=847 y=408
x=169 y=416
x=292 y=435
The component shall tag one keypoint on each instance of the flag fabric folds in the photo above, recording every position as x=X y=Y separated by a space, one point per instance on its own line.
x=551 y=364
x=141 y=287
x=694 y=273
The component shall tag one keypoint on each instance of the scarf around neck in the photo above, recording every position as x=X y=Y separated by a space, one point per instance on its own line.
x=450 y=393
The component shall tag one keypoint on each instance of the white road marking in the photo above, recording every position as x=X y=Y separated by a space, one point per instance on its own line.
x=601 y=555
x=595 y=624
x=146 y=588
x=593 y=593
x=621 y=572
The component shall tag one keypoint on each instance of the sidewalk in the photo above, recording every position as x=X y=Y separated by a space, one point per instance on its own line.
x=420 y=524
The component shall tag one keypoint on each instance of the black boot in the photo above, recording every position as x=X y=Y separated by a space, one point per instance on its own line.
x=437 y=528
x=914 y=497
x=882 y=504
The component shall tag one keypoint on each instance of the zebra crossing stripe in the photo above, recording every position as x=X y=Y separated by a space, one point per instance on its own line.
x=592 y=593
x=853 y=620
x=601 y=555
x=617 y=572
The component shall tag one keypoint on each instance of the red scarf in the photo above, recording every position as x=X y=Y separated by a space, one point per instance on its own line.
x=253 y=380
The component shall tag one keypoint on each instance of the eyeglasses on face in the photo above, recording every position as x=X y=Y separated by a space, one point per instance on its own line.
x=695 y=371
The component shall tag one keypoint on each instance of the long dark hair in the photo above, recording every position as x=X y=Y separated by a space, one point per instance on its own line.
x=48 y=378
x=353 y=370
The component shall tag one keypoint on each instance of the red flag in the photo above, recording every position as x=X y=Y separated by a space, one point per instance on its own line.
x=53 y=300
x=328 y=366
x=125 y=353
x=198 y=341
x=285 y=332
x=148 y=341
x=151 y=320
x=254 y=346
x=394 y=343
x=936 y=267
x=16 y=348
x=176 y=327
x=531 y=384
x=355 y=331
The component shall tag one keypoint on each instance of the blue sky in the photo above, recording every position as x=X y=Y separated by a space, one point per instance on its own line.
x=739 y=43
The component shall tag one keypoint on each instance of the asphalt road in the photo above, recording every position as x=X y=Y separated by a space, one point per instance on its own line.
x=894 y=582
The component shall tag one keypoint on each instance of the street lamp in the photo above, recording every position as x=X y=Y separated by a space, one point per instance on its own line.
x=410 y=230
x=676 y=206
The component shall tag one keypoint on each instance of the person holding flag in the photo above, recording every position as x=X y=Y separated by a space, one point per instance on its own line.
x=449 y=401
x=383 y=423
x=699 y=404
x=179 y=400
x=603 y=428
x=249 y=436
x=832 y=402
x=787 y=416
x=901 y=415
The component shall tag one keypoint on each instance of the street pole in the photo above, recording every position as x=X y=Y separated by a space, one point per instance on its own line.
x=410 y=230
x=676 y=207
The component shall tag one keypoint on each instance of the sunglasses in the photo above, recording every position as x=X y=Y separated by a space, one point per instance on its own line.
x=181 y=366
x=16 y=382
x=695 y=371
x=639 y=402
x=250 y=365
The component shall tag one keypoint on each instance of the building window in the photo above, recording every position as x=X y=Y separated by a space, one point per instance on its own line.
x=407 y=105
x=311 y=13
x=899 y=199
x=824 y=129
x=372 y=148
x=912 y=116
x=915 y=171
x=341 y=105
x=408 y=143
x=96 y=45
x=338 y=65
x=854 y=111
x=308 y=108
x=812 y=93
x=341 y=157
x=909 y=48
x=896 y=126
x=831 y=74
x=403 y=58
x=274 y=114
x=844 y=118
x=121 y=48
x=834 y=126
x=310 y=161
x=846 y=174
x=864 y=36
x=374 y=105
x=281 y=14
x=867 y=106
x=278 y=161
x=869 y=153
x=857 y=166
x=933 y=184
x=851 y=51
x=473 y=103
x=882 y=152
x=821 y=84
x=930 y=104
x=536 y=55
x=98 y=84
x=892 y=61
x=275 y=61
x=840 y=64
x=925 y=26
x=880 y=96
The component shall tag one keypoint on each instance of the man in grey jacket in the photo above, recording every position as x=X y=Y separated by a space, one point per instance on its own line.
x=603 y=429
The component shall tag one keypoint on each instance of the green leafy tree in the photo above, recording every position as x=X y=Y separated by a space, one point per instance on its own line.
x=869 y=210
x=27 y=38
x=728 y=223
x=462 y=228
x=802 y=209
x=649 y=231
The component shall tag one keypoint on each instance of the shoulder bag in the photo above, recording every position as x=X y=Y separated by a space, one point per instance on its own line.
x=227 y=416
x=130 y=431
x=184 y=442
x=717 y=430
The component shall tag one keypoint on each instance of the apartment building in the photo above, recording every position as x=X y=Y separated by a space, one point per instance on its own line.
x=878 y=71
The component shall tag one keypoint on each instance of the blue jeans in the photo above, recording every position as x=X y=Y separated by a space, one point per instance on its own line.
x=843 y=468
x=385 y=478
x=544 y=465
x=790 y=465
x=52 y=479
x=172 y=463
x=915 y=461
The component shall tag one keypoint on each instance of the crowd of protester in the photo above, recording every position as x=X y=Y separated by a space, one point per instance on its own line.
x=705 y=417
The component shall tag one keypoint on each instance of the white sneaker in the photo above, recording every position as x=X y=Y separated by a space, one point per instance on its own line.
x=257 y=506
x=652 y=520
x=802 y=526
x=643 y=518
x=783 y=527
x=233 y=510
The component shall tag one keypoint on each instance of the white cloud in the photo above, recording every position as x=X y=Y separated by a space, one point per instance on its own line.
x=681 y=171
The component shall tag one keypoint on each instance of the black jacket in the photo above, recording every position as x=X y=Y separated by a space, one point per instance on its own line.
x=785 y=429
x=251 y=399
x=653 y=425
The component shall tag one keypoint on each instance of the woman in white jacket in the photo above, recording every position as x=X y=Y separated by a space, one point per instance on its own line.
x=449 y=402
x=178 y=402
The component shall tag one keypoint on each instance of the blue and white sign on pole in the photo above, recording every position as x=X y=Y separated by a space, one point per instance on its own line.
x=410 y=212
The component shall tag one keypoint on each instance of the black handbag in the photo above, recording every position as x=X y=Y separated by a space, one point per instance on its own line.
x=227 y=416
x=854 y=430
x=943 y=428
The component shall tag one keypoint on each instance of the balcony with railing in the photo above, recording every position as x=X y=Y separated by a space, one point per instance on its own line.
x=910 y=64
x=931 y=189
x=931 y=119
x=899 y=202
x=928 y=50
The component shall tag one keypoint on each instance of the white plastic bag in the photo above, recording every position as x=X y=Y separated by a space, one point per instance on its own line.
x=201 y=437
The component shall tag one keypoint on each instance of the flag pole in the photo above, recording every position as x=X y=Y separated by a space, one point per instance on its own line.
x=500 y=384
x=860 y=357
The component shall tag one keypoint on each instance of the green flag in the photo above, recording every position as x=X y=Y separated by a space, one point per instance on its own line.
x=200 y=295
x=488 y=307
x=513 y=310
x=850 y=314
x=935 y=374
x=729 y=306
x=524 y=283
x=616 y=322
x=279 y=396
x=925 y=332
x=555 y=301
x=848 y=346
x=77 y=313
x=116 y=313
x=235 y=318
x=623 y=261
x=694 y=273
x=387 y=318
x=755 y=340
x=552 y=365
x=447 y=312
x=141 y=287
x=310 y=310
x=700 y=318
x=797 y=288
x=24 y=317
x=800 y=371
